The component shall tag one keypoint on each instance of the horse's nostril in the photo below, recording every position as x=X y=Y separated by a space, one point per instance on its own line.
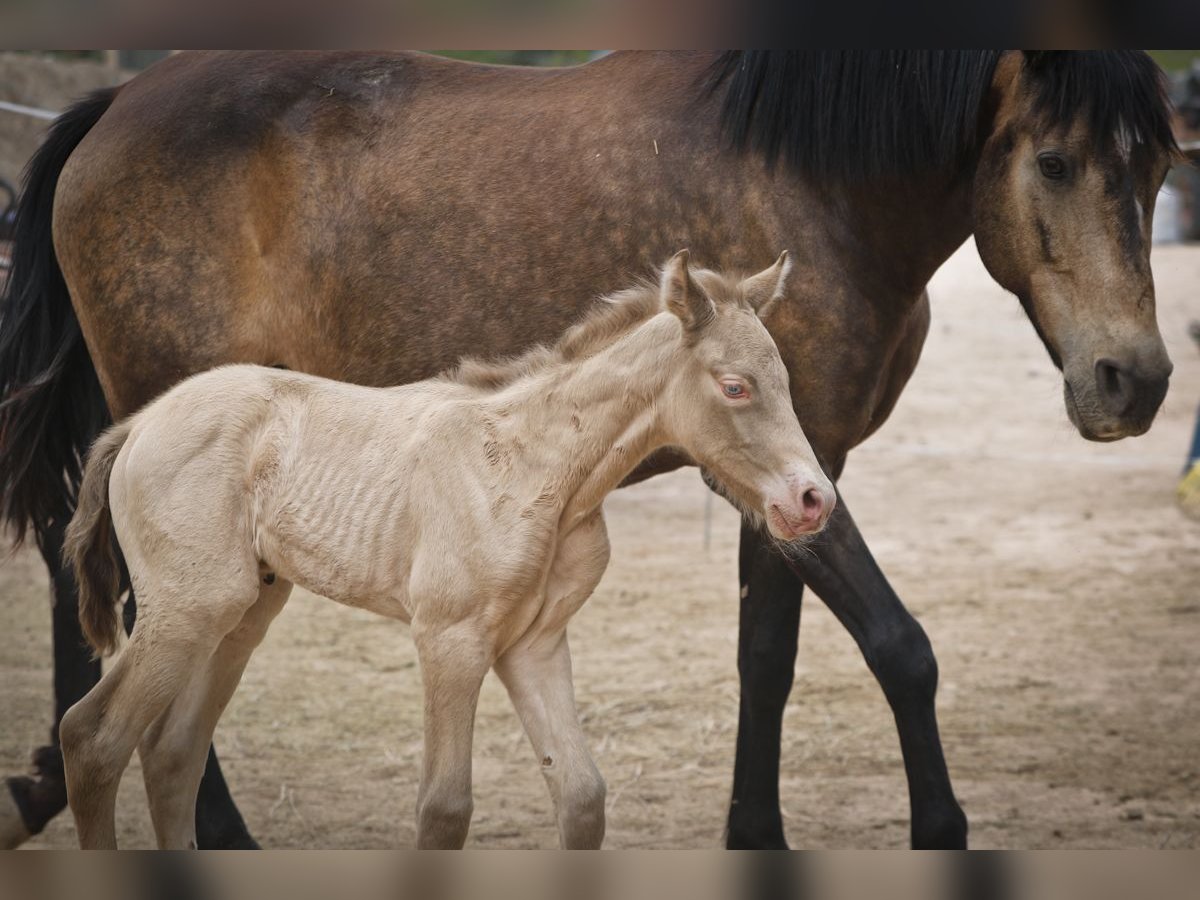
x=1115 y=386
x=1111 y=377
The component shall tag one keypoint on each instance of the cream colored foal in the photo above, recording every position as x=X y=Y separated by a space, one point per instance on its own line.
x=468 y=505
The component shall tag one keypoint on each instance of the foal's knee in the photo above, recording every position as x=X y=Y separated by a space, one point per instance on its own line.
x=904 y=663
x=87 y=765
x=75 y=733
x=443 y=821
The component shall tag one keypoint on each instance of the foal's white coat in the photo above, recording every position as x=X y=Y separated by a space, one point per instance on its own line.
x=468 y=505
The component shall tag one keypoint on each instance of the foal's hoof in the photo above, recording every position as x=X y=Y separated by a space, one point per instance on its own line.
x=13 y=830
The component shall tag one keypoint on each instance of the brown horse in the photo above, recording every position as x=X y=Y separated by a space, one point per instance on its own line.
x=374 y=217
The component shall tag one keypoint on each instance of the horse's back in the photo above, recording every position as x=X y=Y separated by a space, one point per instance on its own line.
x=186 y=212
x=367 y=217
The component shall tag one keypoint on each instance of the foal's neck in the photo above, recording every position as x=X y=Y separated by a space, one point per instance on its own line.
x=599 y=416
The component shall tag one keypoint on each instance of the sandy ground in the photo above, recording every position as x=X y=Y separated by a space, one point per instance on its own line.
x=1055 y=577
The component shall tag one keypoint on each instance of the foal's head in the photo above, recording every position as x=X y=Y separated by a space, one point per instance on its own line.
x=729 y=405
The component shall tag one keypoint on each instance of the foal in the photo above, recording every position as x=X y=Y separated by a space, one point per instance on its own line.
x=468 y=505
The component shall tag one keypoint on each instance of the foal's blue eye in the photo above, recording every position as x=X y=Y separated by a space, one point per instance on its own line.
x=733 y=389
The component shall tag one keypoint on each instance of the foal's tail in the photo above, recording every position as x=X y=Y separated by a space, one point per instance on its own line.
x=90 y=547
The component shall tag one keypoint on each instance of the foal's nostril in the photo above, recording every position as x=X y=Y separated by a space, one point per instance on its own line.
x=813 y=504
x=1116 y=387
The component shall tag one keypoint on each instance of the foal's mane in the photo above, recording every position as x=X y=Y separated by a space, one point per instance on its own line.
x=612 y=316
x=850 y=115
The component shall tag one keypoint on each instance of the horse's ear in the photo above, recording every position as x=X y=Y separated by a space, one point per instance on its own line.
x=763 y=289
x=682 y=296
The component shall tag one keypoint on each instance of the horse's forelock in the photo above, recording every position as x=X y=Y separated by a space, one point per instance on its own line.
x=1117 y=94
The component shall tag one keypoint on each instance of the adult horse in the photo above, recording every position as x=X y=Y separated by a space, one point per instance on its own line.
x=373 y=217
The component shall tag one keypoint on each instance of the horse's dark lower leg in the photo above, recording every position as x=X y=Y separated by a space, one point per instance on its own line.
x=898 y=652
x=769 y=626
x=219 y=824
x=43 y=795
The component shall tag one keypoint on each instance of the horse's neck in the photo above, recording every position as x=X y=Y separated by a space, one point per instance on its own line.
x=896 y=235
x=599 y=416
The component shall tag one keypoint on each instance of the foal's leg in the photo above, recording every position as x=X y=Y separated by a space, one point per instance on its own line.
x=175 y=748
x=100 y=732
x=538 y=677
x=176 y=634
x=454 y=662
x=219 y=823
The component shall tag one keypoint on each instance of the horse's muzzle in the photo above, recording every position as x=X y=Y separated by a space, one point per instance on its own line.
x=1131 y=395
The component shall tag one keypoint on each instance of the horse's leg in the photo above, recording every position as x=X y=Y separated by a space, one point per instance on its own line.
x=538 y=678
x=36 y=800
x=175 y=747
x=845 y=575
x=899 y=654
x=454 y=662
x=769 y=623
x=219 y=823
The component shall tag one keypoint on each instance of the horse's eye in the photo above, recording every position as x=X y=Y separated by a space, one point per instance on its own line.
x=733 y=390
x=1053 y=166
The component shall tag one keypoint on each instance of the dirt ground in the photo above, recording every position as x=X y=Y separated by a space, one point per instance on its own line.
x=1056 y=579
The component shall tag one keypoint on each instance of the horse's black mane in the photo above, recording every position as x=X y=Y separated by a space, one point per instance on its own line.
x=856 y=114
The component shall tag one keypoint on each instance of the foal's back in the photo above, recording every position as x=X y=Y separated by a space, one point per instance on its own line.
x=339 y=488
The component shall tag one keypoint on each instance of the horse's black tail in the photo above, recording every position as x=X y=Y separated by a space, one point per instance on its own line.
x=51 y=405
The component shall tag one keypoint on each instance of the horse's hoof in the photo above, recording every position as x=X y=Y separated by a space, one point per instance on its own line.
x=13 y=831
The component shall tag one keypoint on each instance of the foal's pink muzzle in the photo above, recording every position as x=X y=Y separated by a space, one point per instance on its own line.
x=802 y=509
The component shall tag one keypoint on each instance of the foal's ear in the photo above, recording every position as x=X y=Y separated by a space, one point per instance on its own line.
x=682 y=296
x=767 y=286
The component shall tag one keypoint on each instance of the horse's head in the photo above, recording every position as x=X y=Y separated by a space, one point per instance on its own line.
x=1079 y=144
x=729 y=405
